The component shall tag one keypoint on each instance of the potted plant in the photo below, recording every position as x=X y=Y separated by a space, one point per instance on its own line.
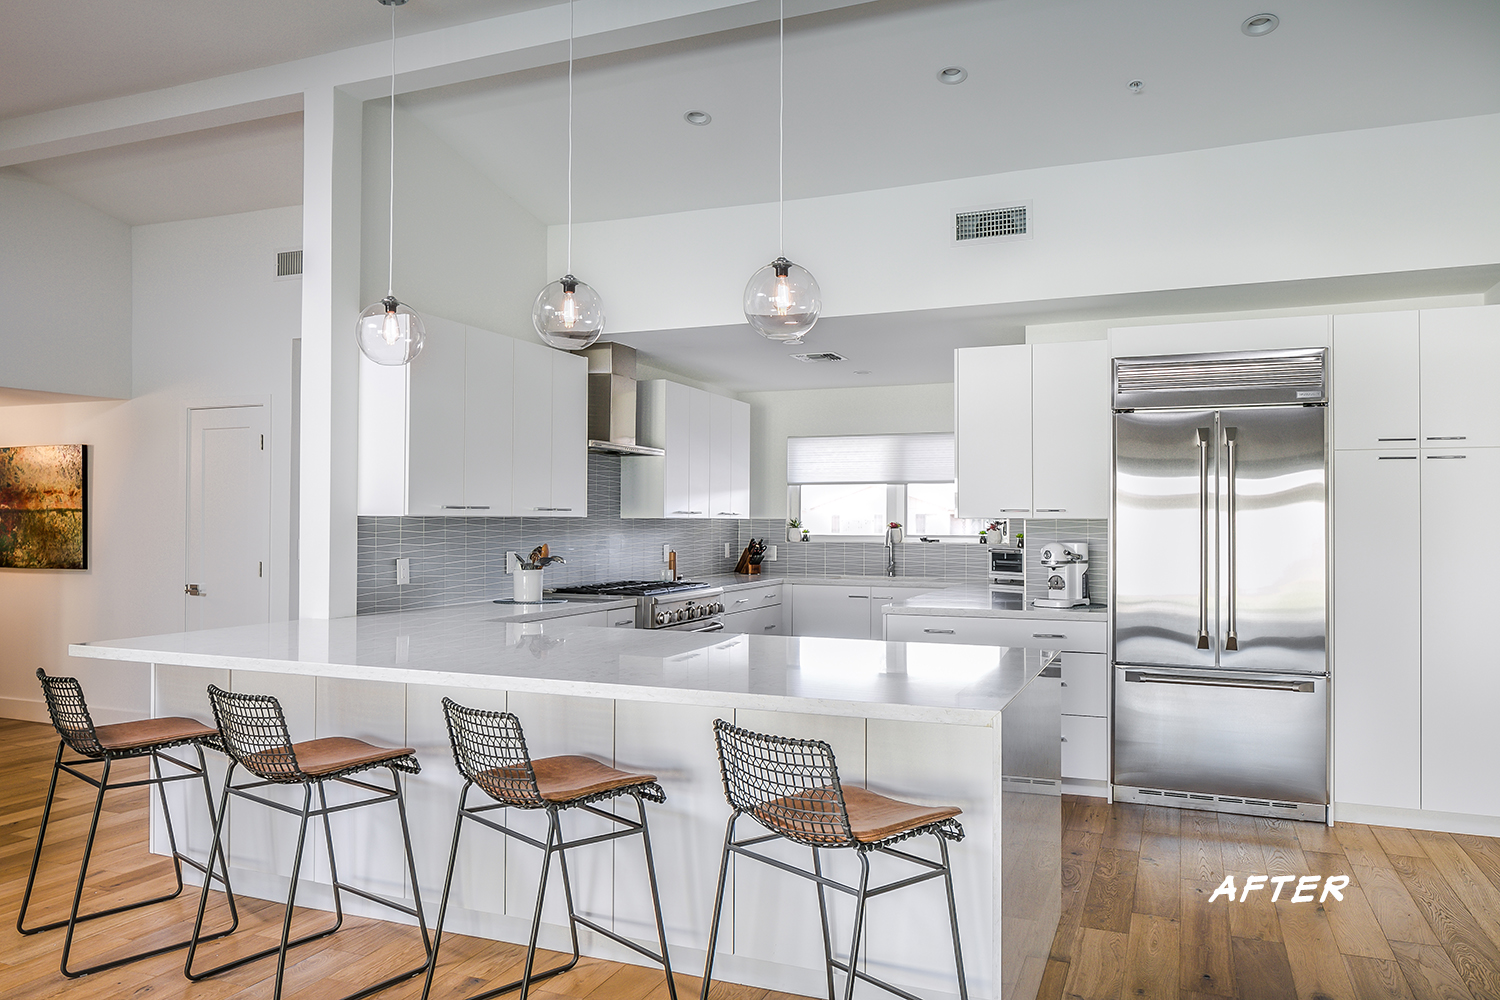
x=794 y=530
x=893 y=533
x=804 y=534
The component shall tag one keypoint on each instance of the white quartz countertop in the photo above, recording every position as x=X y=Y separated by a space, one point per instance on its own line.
x=976 y=601
x=571 y=604
x=488 y=646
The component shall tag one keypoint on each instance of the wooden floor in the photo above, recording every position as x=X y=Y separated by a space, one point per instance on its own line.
x=364 y=950
x=1420 y=919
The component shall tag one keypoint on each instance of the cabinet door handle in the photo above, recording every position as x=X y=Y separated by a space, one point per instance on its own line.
x=768 y=597
x=860 y=597
x=1014 y=510
x=687 y=511
x=454 y=506
x=1052 y=510
x=768 y=627
x=1442 y=457
x=938 y=631
x=1395 y=458
x=728 y=513
x=479 y=506
x=1397 y=439
x=743 y=600
x=627 y=621
x=553 y=508
x=1048 y=635
x=1449 y=437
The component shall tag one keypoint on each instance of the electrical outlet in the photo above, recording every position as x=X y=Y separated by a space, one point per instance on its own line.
x=770 y=553
x=728 y=550
x=512 y=562
x=403 y=571
x=666 y=551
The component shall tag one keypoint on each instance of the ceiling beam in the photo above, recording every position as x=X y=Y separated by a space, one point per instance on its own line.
x=456 y=54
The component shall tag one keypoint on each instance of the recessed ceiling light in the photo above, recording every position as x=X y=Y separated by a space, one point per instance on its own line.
x=697 y=117
x=953 y=74
x=1136 y=86
x=1260 y=24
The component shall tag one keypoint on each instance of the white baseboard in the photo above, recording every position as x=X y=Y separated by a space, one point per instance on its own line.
x=35 y=710
x=1417 y=819
x=1086 y=786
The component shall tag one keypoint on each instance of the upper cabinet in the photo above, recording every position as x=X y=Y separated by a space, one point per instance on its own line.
x=1460 y=355
x=705 y=472
x=1032 y=424
x=478 y=425
x=1376 y=381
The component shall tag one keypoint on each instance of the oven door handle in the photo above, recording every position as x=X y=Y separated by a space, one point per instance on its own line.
x=709 y=627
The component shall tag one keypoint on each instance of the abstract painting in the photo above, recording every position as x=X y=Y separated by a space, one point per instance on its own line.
x=43 y=507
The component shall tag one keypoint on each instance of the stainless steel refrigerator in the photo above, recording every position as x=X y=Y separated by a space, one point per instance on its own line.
x=1219 y=582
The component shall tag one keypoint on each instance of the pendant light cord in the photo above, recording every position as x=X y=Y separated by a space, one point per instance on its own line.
x=781 y=138
x=391 y=217
x=570 y=137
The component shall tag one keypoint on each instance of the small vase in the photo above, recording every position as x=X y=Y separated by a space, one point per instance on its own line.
x=528 y=586
x=893 y=536
x=794 y=534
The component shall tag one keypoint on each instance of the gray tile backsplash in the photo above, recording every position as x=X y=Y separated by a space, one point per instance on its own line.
x=456 y=560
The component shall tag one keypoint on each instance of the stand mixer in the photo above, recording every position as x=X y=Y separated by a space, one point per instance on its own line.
x=1067 y=565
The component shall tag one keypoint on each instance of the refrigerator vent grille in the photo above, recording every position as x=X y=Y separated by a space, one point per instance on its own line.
x=1295 y=371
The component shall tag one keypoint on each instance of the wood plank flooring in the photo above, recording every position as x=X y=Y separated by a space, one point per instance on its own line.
x=363 y=951
x=1420 y=919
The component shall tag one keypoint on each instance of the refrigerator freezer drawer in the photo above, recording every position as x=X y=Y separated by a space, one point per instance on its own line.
x=1262 y=736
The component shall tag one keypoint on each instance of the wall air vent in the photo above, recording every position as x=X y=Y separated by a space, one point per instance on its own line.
x=289 y=264
x=812 y=359
x=993 y=224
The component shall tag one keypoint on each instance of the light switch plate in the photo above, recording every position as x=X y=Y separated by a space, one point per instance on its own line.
x=666 y=551
x=728 y=550
x=403 y=571
x=770 y=553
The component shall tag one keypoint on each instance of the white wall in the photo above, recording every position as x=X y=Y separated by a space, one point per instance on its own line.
x=776 y=416
x=211 y=326
x=1405 y=198
x=464 y=248
x=65 y=282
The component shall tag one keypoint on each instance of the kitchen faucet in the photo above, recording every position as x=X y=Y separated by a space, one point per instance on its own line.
x=890 y=555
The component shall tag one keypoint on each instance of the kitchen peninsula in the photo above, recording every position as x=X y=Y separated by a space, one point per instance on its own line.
x=973 y=726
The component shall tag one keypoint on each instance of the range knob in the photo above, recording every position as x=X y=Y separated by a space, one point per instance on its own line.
x=718 y=608
x=661 y=618
x=677 y=615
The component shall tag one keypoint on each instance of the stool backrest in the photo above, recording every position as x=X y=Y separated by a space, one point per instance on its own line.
x=790 y=786
x=70 y=714
x=490 y=750
x=253 y=730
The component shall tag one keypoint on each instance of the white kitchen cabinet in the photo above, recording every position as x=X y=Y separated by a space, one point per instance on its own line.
x=882 y=596
x=1460 y=659
x=550 y=433
x=1377 y=628
x=992 y=430
x=1032 y=430
x=1070 y=429
x=1085 y=748
x=1276 y=333
x=1037 y=633
x=1376 y=380
x=1085 y=684
x=1460 y=355
x=755 y=611
x=705 y=472
x=836 y=612
x=436 y=436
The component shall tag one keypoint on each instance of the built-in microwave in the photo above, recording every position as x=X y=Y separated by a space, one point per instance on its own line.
x=1007 y=571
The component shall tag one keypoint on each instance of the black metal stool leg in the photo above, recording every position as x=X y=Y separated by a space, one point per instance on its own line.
x=553 y=835
x=166 y=816
x=859 y=924
x=661 y=926
x=437 y=938
x=823 y=914
x=411 y=865
x=36 y=856
x=713 y=927
x=958 y=955
x=291 y=895
x=83 y=870
x=567 y=882
x=333 y=868
x=214 y=852
x=208 y=798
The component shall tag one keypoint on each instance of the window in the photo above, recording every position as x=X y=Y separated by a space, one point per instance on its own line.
x=845 y=508
x=932 y=510
x=853 y=487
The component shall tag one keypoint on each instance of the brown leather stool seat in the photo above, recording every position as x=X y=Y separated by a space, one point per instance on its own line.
x=791 y=787
x=490 y=751
x=104 y=746
x=254 y=734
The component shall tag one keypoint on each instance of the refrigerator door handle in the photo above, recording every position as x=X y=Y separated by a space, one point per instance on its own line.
x=1231 y=639
x=1205 y=434
x=1141 y=677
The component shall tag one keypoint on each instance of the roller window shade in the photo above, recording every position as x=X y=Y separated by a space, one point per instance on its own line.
x=870 y=458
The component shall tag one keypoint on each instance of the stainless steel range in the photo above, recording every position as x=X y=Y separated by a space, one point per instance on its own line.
x=679 y=606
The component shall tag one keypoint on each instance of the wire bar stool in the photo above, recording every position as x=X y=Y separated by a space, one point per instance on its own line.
x=489 y=749
x=254 y=735
x=792 y=788
x=104 y=745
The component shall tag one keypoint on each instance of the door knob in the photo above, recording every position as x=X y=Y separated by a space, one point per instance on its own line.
x=193 y=590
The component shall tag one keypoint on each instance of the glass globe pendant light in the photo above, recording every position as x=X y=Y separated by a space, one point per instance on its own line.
x=782 y=299
x=568 y=314
x=388 y=332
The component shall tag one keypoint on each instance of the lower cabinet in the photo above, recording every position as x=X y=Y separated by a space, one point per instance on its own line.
x=1085 y=748
x=845 y=612
x=754 y=611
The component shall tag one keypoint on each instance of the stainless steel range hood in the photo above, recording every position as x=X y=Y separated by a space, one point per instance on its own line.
x=612 y=400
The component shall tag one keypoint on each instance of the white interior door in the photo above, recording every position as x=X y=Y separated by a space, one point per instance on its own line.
x=229 y=518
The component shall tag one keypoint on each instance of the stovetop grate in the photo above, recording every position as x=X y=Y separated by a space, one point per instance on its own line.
x=633 y=588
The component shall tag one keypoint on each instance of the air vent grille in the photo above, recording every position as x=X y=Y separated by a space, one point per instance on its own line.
x=812 y=359
x=1221 y=379
x=289 y=263
x=1006 y=222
